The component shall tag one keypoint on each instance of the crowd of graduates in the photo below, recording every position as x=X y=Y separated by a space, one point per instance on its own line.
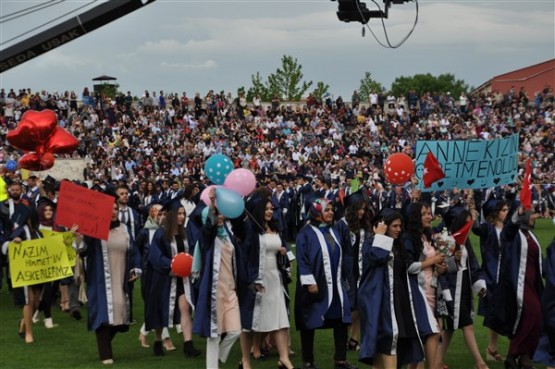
x=358 y=252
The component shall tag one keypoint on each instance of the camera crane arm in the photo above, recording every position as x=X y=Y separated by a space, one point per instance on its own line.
x=67 y=31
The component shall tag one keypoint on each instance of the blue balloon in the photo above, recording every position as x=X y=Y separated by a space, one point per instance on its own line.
x=217 y=167
x=11 y=165
x=229 y=203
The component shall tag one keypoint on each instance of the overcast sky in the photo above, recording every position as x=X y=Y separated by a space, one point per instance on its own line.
x=186 y=45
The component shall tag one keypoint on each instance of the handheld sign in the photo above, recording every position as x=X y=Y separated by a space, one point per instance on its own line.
x=68 y=238
x=38 y=261
x=471 y=164
x=90 y=210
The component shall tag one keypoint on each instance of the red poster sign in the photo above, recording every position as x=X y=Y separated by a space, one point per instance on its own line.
x=91 y=210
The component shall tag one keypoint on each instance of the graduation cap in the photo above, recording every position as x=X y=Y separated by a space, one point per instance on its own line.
x=386 y=214
x=354 y=198
x=45 y=201
x=172 y=204
x=489 y=206
x=147 y=208
x=49 y=179
x=304 y=176
x=452 y=214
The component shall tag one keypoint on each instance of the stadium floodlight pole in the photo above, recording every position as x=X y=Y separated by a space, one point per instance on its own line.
x=67 y=31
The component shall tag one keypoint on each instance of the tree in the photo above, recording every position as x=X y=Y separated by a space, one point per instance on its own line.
x=369 y=85
x=422 y=83
x=287 y=82
x=320 y=90
x=258 y=88
x=108 y=89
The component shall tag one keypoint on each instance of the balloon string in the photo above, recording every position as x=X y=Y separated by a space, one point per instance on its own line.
x=253 y=219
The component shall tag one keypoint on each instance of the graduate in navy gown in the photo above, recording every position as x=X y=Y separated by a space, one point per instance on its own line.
x=321 y=299
x=517 y=296
x=169 y=297
x=388 y=327
x=356 y=227
x=425 y=263
x=217 y=308
x=495 y=211
x=545 y=353
x=110 y=265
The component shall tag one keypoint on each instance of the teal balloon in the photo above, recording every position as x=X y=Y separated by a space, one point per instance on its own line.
x=11 y=165
x=229 y=203
x=217 y=167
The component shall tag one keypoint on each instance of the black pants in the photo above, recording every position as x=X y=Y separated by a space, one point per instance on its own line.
x=339 y=338
x=46 y=298
x=104 y=336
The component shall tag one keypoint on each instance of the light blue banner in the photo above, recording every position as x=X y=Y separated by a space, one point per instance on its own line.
x=471 y=164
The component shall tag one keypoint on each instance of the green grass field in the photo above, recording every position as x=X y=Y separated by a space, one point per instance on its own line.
x=71 y=346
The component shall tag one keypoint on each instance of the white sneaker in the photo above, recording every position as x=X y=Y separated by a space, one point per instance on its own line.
x=36 y=317
x=48 y=323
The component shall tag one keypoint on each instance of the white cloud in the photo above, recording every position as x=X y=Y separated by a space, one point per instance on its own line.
x=207 y=64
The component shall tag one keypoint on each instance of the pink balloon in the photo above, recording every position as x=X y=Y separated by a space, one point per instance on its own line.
x=205 y=192
x=241 y=181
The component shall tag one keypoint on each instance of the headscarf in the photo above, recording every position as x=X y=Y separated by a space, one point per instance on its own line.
x=222 y=233
x=316 y=210
x=40 y=210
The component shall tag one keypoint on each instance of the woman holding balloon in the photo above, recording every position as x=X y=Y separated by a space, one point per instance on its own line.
x=217 y=308
x=169 y=297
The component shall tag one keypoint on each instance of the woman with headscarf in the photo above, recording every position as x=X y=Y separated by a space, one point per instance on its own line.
x=217 y=308
x=263 y=289
x=495 y=211
x=169 y=297
x=110 y=265
x=388 y=326
x=321 y=299
x=357 y=225
x=517 y=296
x=424 y=263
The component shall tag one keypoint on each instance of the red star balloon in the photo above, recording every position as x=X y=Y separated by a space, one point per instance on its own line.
x=39 y=135
x=398 y=168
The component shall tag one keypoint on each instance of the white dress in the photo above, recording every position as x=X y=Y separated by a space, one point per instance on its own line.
x=273 y=314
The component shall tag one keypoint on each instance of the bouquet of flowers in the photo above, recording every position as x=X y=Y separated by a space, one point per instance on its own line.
x=446 y=244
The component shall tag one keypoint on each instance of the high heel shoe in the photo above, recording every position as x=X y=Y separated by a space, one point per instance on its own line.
x=143 y=341
x=168 y=344
x=353 y=345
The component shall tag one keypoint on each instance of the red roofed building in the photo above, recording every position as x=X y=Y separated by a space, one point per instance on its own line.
x=533 y=78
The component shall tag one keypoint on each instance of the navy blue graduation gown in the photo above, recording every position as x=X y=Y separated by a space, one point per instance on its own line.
x=509 y=294
x=545 y=353
x=425 y=317
x=99 y=300
x=205 y=320
x=491 y=255
x=314 y=266
x=250 y=269
x=378 y=321
x=161 y=308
